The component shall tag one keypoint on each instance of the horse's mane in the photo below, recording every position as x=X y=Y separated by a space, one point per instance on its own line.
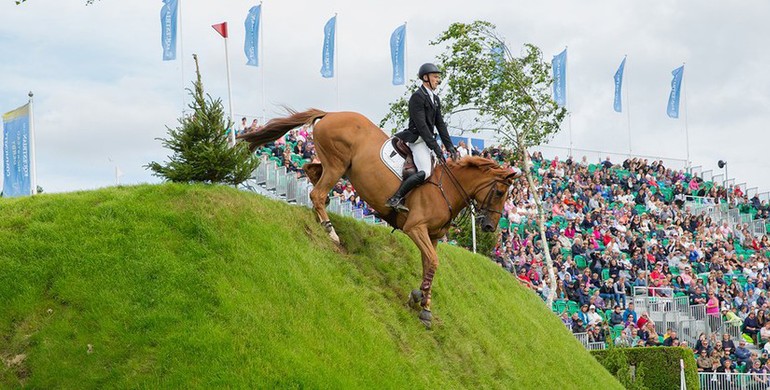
x=482 y=163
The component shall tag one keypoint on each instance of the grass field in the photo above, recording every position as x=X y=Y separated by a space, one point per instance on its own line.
x=176 y=286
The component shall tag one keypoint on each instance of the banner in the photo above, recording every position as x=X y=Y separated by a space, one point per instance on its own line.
x=168 y=15
x=673 y=99
x=327 y=57
x=559 y=64
x=397 y=54
x=17 y=179
x=251 y=46
x=619 y=86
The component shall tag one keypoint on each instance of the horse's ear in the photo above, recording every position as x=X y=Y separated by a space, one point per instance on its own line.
x=512 y=176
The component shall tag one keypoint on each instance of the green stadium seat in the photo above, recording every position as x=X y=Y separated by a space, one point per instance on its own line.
x=580 y=262
x=605 y=274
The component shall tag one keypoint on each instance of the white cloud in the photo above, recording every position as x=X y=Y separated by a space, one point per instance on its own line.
x=102 y=92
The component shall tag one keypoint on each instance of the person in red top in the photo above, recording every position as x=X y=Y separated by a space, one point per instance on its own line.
x=643 y=320
x=657 y=273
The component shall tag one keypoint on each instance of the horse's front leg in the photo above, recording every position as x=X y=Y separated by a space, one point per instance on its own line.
x=427 y=248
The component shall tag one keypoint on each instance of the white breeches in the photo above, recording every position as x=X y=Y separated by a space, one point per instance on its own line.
x=422 y=157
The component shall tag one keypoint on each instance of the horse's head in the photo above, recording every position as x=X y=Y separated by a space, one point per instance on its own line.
x=490 y=188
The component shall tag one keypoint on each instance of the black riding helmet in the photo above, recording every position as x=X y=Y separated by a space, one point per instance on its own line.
x=427 y=68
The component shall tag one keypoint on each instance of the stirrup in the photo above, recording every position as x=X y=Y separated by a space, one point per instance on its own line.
x=397 y=204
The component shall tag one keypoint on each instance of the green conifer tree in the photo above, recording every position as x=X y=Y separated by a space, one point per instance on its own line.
x=200 y=147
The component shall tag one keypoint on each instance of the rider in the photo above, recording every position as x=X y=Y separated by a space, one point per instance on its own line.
x=424 y=116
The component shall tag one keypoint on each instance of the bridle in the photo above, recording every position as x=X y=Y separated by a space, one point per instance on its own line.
x=470 y=203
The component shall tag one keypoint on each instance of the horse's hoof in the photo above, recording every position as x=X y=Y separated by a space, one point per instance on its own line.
x=414 y=299
x=426 y=317
x=333 y=235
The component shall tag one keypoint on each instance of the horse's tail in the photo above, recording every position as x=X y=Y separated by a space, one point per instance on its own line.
x=277 y=127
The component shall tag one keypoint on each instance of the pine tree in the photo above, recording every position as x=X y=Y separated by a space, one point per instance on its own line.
x=200 y=148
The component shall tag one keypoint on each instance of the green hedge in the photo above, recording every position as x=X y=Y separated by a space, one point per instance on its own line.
x=656 y=367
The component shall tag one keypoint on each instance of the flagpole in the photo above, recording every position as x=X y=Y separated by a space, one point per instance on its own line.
x=628 y=105
x=229 y=93
x=566 y=97
x=33 y=165
x=181 y=50
x=686 y=130
x=262 y=65
x=337 y=58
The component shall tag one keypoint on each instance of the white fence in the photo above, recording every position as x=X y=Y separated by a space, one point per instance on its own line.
x=287 y=186
x=728 y=381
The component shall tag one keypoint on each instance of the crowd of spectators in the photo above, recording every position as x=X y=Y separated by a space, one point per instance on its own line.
x=613 y=227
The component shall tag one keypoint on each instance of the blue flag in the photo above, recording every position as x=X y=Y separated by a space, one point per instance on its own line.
x=397 y=45
x=559 y=64
x=251 y=46
x=168 y=16
x=619 y=86
x=327 y=58
x=17 y=179
x=673 y=99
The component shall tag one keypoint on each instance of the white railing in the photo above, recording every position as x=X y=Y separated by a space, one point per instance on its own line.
x=287 y=186
x=733 y=381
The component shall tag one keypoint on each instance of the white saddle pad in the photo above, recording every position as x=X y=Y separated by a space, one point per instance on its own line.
x=392 y=159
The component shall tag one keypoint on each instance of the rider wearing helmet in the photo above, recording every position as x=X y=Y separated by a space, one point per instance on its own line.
x=424 y=119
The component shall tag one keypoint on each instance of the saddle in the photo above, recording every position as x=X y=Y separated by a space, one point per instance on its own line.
x=404 y=151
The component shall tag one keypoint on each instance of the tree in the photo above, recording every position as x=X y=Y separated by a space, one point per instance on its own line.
x=200 y=146
x=489 y=88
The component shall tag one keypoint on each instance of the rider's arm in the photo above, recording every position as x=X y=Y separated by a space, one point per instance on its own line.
x=417 y=114
x=442 y=129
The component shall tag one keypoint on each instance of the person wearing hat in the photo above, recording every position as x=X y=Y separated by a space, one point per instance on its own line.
x=593 y=317
x=424 y=117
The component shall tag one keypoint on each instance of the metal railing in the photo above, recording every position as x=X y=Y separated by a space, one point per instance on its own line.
x=285 y=185
x=733 y=381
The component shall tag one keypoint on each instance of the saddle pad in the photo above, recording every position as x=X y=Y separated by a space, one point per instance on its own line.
x=391 y=158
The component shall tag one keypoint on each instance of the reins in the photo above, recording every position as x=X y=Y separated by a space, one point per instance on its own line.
x=469 y=202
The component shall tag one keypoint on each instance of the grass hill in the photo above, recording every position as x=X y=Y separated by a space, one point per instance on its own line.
x=177 y=286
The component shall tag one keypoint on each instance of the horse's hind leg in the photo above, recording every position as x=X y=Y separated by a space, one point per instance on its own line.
x=320 y=195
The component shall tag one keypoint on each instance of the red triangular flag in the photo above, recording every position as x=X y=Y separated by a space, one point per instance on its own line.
x=221 y=29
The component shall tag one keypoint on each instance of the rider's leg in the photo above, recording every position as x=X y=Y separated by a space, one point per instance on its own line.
x=396 y=201
x=422 y=162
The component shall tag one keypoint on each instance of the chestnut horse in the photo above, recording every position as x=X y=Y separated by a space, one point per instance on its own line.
x=347 y=143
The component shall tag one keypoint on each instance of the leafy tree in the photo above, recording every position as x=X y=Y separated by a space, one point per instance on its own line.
x=489 y=88
x=200 y=146
x=463 y=235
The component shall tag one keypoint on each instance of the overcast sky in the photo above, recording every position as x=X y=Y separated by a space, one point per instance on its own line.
x=102 y=92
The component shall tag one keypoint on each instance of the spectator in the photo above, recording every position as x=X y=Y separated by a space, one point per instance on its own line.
x=629 y=315
x=742 y=354
x=616 y=318
x=751 y=326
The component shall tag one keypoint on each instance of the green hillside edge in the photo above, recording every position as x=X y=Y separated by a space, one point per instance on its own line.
x=178 y=286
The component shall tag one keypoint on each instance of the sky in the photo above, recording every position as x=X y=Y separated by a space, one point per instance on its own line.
x=103 y=95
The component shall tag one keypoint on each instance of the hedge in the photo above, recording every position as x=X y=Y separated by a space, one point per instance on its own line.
x=656 y=367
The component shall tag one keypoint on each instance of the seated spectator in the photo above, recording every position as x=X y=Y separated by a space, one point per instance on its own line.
x=593 y=317
x=704 y=362
x=629 y=315
x=751 y=326
x=623 y=340
x=578 y=327
x=616 y=318
x=671 y=339
x=742 y=354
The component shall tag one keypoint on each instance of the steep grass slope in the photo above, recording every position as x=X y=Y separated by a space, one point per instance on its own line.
x=178 y=286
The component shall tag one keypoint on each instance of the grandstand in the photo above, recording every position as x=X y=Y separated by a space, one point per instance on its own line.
x=688 y=249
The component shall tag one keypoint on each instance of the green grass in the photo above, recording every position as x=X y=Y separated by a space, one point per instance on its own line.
x=180 y=286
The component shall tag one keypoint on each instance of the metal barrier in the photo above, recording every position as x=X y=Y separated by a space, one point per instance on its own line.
x=583 y=338
x=733 y=381
x=598 y=345
x=284 y=185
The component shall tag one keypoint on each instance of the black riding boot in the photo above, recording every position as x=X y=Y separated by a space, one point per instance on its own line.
x=396 y=201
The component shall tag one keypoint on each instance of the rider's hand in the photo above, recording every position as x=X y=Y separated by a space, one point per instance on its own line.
x=440 y=155
x=454 y=155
